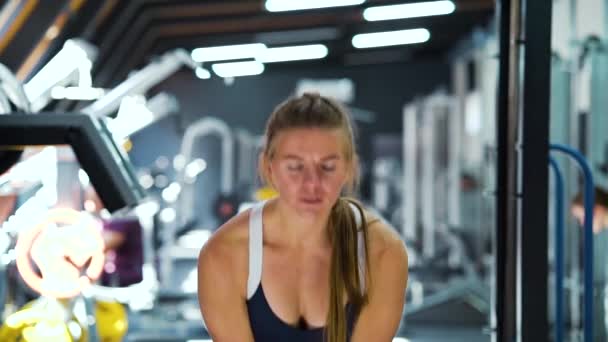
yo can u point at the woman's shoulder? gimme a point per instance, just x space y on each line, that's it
228 246
382 237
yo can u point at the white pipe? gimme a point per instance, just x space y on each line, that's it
427 191
14 89
141 81
198 129
410 156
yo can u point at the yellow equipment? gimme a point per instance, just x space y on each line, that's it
43 320
112 322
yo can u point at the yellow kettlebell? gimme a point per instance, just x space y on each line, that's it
111 320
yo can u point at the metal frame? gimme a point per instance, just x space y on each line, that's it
427 176
141 81
534 177
410 186
197 130
522 173
506 126
107 167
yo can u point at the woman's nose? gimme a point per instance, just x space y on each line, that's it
311 176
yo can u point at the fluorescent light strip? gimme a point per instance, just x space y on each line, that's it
202 73
402 11
237 69
389 38
228 52
293 53
294 5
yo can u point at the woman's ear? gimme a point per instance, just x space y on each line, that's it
265 169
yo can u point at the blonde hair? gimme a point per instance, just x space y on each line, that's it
314 111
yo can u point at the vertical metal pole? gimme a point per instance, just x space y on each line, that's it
506 225
574 238
536 73
427 177
410 158
455 119
559 251
523 130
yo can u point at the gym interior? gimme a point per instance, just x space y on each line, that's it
478 123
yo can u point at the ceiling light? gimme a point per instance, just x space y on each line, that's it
228 52
236 69
202 73
293 53
413 10
293 5
389 38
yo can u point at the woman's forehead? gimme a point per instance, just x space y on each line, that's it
309 139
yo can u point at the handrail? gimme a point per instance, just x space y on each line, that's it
589 203
559 251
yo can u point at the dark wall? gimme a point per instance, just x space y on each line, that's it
381 89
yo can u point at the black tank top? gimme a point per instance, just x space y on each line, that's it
268 327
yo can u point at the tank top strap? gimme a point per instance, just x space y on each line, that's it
256 248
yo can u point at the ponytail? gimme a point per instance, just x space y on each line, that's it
344 272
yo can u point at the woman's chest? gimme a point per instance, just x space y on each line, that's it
297 288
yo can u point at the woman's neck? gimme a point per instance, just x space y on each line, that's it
296 230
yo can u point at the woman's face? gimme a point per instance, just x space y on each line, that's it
308 168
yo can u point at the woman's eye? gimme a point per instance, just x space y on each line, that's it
328 168
295 167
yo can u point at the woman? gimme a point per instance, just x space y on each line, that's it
309 265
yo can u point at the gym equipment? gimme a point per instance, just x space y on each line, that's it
564 129
49 319
194 132
94 145
173 277
141 81
12 96
70 66
410 176
589 204
116 183
65 318
578 116
559 250
226 206
443 263
58 253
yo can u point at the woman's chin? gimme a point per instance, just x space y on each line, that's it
315 207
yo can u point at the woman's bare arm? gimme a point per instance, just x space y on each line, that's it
221 299
380 318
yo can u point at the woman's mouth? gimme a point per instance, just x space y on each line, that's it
311 200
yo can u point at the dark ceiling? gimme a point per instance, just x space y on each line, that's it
129 33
